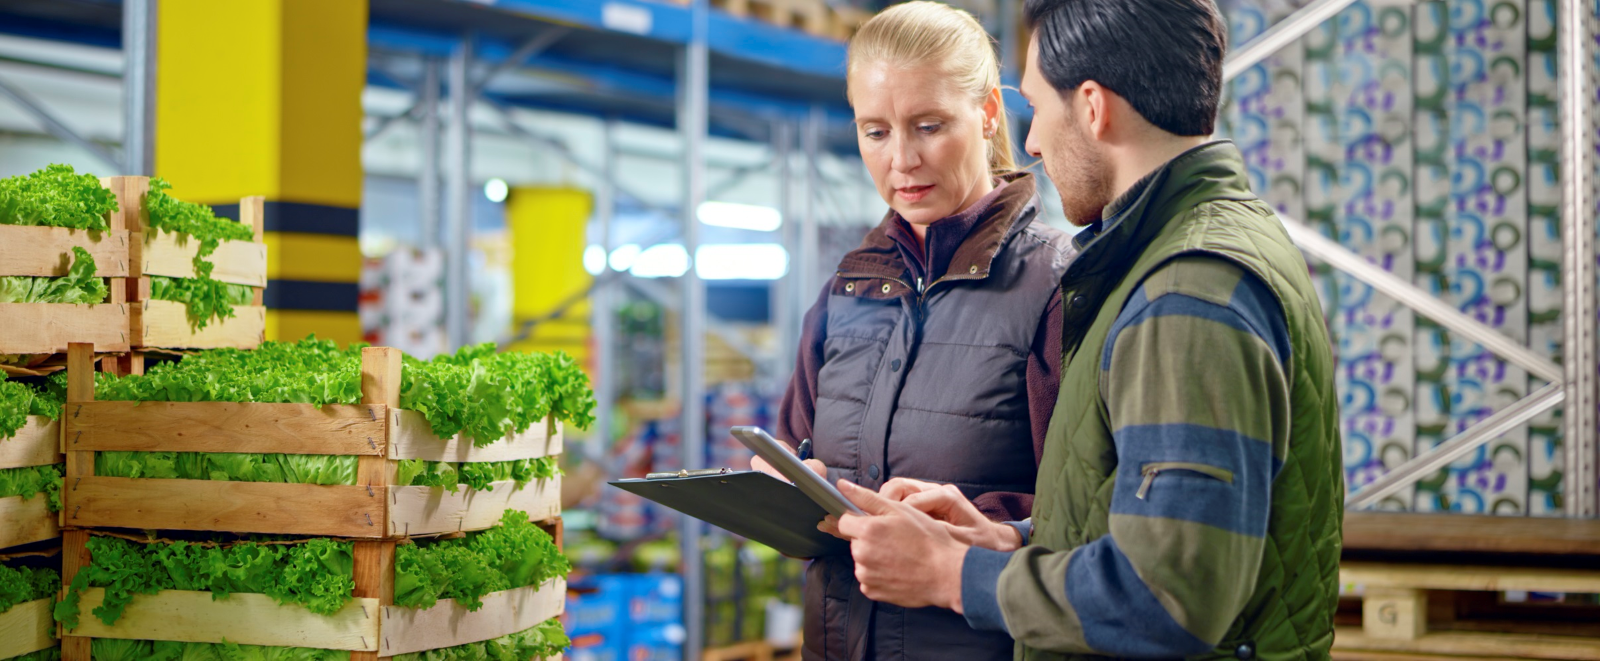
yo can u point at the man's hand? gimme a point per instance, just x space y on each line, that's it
946 503
903 556
759 464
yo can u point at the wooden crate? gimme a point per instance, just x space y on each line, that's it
1406 610
809 15
27 627
370 627
377 431
165 324
46 328
30 520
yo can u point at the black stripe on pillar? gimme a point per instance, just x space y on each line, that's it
308 295
302 218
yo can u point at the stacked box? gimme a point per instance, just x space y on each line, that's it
627 617
376 515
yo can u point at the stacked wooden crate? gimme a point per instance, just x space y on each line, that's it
1420 587
28 522
376 514
816 17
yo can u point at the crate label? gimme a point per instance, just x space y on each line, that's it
626 18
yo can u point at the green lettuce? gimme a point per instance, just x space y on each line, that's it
111 649
46 654
315 469
56 197
79 286
203 300
30 481
24 584
18 400
514 554
547 639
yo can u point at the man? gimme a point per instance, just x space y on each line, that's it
1189 495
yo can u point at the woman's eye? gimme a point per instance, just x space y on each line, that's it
875 134
930 128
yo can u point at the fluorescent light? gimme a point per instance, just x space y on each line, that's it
496 190
663 260
741 261
594 259
740 216
623 257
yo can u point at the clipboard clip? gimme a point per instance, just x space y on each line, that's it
688 473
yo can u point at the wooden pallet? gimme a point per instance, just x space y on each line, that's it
165 324
377 431
29 520
1404 611
27 627
369 627
43 329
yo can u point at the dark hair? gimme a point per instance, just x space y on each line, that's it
1163 56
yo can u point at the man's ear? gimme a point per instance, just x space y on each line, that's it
1096 100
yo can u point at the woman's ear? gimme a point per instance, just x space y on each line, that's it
993 105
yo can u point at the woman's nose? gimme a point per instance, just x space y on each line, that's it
905 157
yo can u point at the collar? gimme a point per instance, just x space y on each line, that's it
962 246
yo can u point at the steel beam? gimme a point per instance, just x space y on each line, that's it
1285 32
138 86
55 127
807 264
538 44
693 88
1576 31
458 219
788 301
605 304
1423 303
1488 429
428 174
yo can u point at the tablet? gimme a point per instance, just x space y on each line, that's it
812 485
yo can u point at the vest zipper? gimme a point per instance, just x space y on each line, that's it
1152 469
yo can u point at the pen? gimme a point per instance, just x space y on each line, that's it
805 450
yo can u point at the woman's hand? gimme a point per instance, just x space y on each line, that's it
759 464
946 504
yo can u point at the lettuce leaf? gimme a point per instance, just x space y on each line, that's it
162 650
514 554
30 481
547 639
24 584
79 286
56 197
19 400
204 300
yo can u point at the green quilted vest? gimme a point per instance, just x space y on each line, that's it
1201 203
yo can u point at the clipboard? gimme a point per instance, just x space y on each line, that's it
750 504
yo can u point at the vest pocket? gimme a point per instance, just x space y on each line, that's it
1154 468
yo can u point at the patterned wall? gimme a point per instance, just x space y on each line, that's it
1424 137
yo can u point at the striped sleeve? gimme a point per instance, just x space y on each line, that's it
1195 383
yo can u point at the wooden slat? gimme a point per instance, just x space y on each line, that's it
374 571
38 443
227 427
49 327
414 439
26 521
428 510
27 627
74 557
1461 577
165 324
408 630
247 619
172 255
1376 531
1523 646
243 507
131 213
47 251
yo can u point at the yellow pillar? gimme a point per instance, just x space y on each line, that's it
547 227
263 97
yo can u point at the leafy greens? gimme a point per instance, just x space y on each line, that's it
514 554
205 298
111 649
476 391
46 654
18 401
56 197
24 584
79 286
315 469
545 640
30 481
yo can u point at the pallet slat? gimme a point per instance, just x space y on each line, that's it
429 510
247 619
226 427
1468 578
27 521
1521 646
243 507
1461 533
237 262
414 439
48 327
165 324
27 627
448 624
38 443
46 252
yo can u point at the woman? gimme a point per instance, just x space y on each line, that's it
933 351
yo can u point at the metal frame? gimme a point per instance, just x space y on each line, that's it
138 86
1574 380
55 126
458 219
693 123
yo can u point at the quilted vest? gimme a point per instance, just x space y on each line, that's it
929 382
1201 203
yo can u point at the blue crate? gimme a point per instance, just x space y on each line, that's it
655 599
604 611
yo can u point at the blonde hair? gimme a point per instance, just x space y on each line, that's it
921 32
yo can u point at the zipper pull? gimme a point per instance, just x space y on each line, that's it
1150 473
920 288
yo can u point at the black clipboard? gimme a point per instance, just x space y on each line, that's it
750 504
